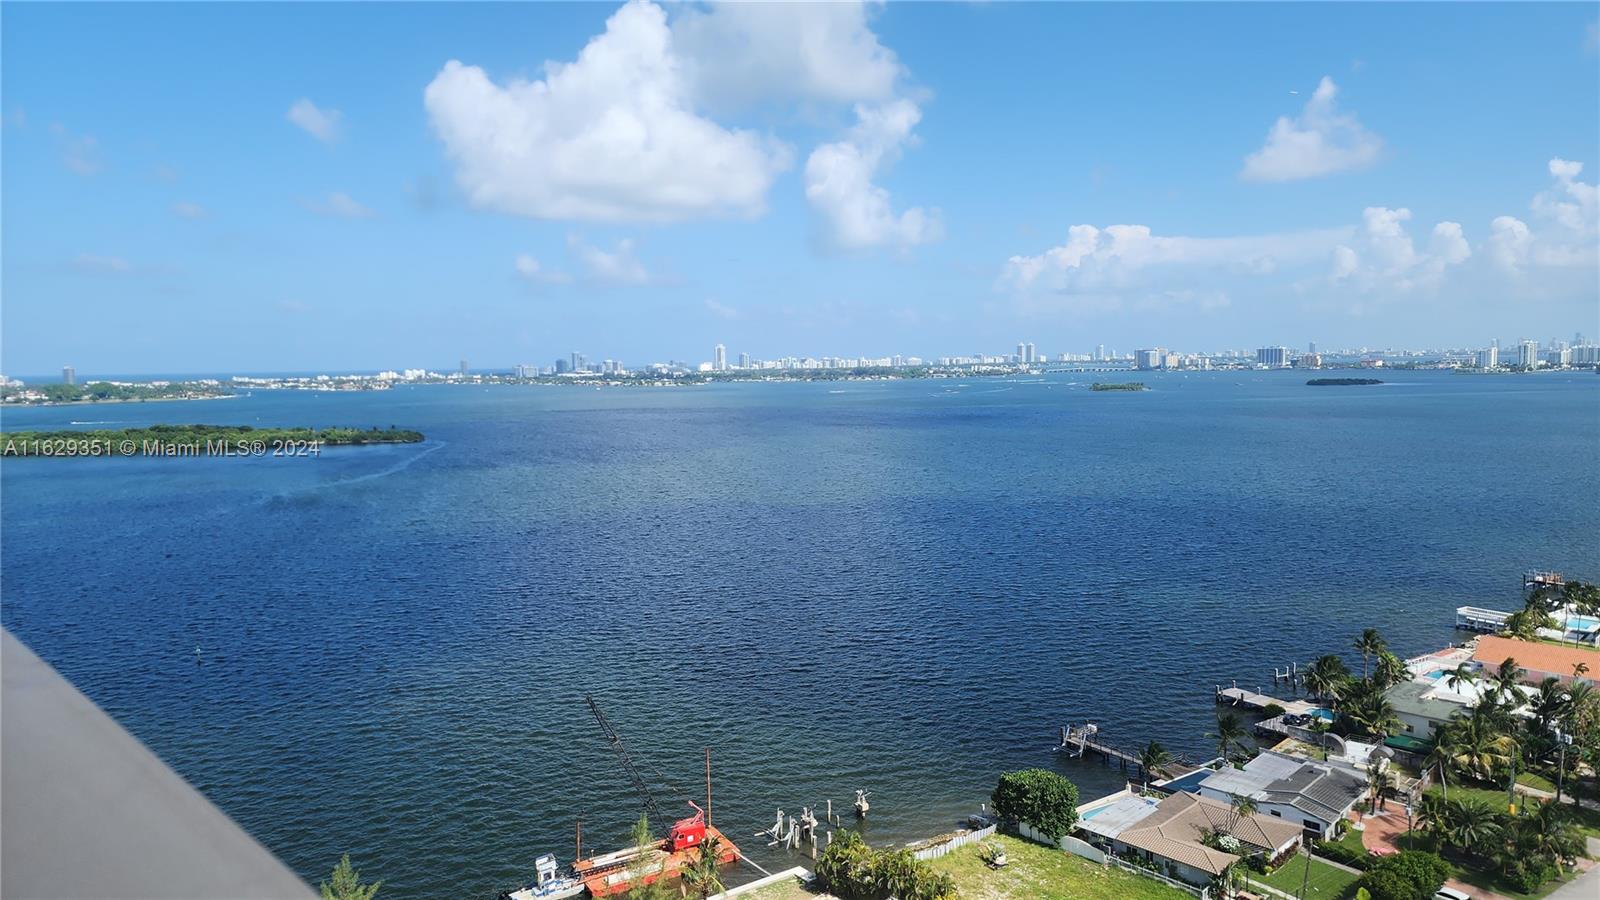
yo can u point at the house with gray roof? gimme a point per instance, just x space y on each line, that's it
1317 796
1175 833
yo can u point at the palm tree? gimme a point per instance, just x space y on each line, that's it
1478 748
1230 733
1461 674
1371 643
1390 671
1579 669
346 883
1375 715
1507 679
1551 834
1240 807
1153 758
1326 676
1440 757
1473 826
1433 813
1549 704
701 875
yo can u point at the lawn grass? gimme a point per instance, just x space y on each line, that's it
791 889
1035 872
1325 882
1538 782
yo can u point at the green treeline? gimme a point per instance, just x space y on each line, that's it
1117 386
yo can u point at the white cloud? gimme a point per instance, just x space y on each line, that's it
530 269
1321 141
721 310
1567 235
612 137
739 54
1121 257
1389 263
103 265
186 210
619 267
856 213
322 124
80 153
339 205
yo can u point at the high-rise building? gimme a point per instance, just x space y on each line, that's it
1100 353
1022 353
463 367
1311 348
719 360
1528 354
1273 357
563 365
1489 357
69 375
744 360
1033 355
1145 360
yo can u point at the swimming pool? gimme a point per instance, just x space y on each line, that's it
1582 623
1323 713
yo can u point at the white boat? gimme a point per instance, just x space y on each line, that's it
549 883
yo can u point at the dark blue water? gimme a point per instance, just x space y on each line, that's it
905 587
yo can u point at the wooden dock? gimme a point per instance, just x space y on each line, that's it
1076 741
1238 696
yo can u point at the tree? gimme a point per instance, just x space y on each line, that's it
650 865
1153 758
1230 734
702 876
1407 875
1370 644
1471 825
1507 679
1461 674
1390 671
1477 747
1326 676
851 870
1044 800
345 883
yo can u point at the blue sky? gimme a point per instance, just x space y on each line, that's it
316 187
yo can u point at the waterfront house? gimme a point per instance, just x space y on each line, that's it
1316 796
1538 659
1172 833
1424 707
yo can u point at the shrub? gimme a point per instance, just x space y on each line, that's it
1043 799
1272 710
1338 852
1385 884
853 871
1407 875
1529 878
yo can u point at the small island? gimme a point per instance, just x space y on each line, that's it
1117 386
111 392
1322 382
197 440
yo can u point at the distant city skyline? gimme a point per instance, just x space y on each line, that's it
238 187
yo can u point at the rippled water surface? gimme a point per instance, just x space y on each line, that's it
905 587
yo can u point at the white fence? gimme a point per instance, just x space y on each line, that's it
1184 886
960 840
1084 849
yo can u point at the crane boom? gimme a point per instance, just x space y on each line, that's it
650 806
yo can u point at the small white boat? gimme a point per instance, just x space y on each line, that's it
549 883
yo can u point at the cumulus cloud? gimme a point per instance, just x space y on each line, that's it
530 269
1121 257
1386 260
854 212
1567 216
322 124
617 268
740 54
1320 141
338 205
612 137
